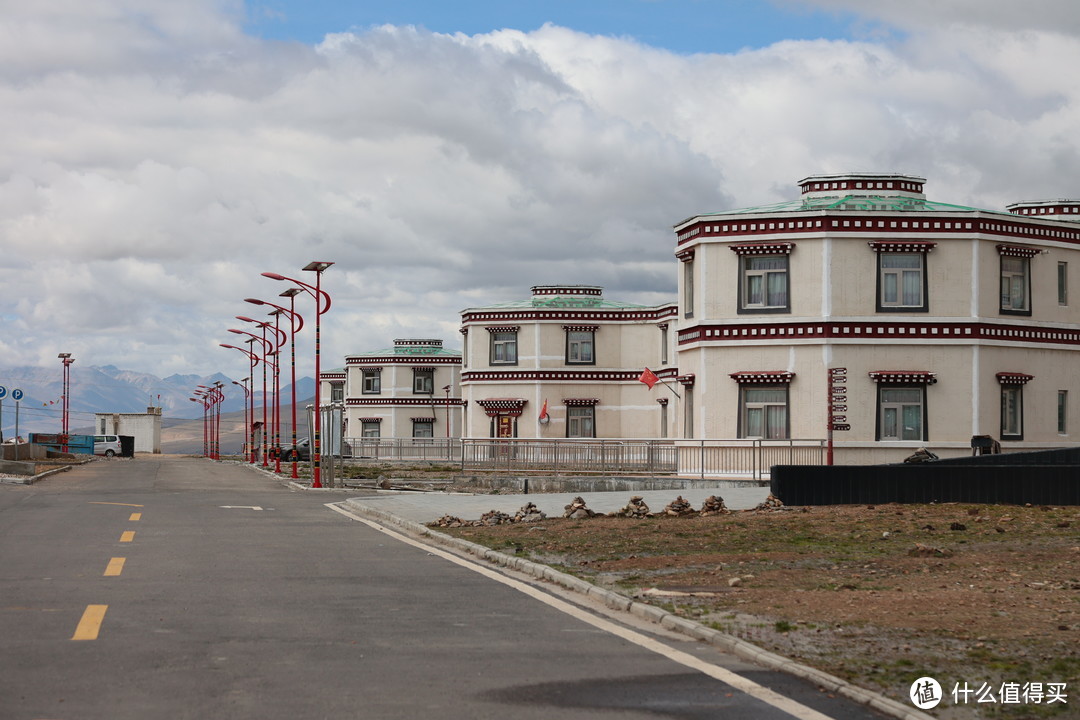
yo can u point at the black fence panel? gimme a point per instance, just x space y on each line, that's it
927 483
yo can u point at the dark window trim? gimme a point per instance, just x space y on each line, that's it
925 411
1027 287
740 428
1001 419
566 349
925 307
741 308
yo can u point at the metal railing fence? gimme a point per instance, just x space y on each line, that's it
749 459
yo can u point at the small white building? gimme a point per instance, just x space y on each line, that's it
565 363
411 390
144 427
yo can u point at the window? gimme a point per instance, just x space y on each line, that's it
688 412
504 348
580 422
337 393
372 384
663 344
579 347
1012 411
423 428
1015 292
1063 283
1062 412
901 413
901 281
688 287
663 420
423 381
764 412
369 428
764 283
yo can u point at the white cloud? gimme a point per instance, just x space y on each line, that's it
154 160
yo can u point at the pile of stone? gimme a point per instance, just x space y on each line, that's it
771 503
494 517
529 513
636 508
449 521
714 505
679 508
577 510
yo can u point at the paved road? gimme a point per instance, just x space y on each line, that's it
199 590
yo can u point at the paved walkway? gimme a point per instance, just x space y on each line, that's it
428 507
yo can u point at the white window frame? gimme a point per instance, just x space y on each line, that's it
747 274
764 407
371 382
581 421
899 408
580 347
423 381
1016 285
895 277
504 348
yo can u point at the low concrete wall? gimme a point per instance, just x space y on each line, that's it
548 483
11 467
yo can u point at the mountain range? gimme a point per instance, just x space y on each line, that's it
109 389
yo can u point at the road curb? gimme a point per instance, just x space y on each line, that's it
736 646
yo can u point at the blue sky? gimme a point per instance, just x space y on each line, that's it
683 26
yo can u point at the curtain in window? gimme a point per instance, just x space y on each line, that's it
902 273
767 275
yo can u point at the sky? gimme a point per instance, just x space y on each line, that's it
156 157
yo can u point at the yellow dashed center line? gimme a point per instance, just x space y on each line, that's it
128 536
115 567
135 517
90 624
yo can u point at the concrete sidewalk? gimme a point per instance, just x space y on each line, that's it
429 507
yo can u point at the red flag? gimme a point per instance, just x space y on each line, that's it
543 413
649 378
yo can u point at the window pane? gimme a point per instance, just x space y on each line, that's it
776 421
901 395
906 260
912 288
766 395
889 289
912 422
777 289
767 262
888 423
755 422
753 289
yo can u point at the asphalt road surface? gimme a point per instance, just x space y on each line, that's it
172 587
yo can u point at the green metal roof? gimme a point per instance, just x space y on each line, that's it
559 302
410 351
864 203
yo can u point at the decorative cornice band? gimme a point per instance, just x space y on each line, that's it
374 363
889 330
762 377
580 328
914 246
580 402
965 224
1016 251
613 315
1013 378
763 248
560 375
424 401
910 377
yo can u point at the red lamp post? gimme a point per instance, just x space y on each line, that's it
200 397
322 304
67 360
249 396
296 324
272 348
267 347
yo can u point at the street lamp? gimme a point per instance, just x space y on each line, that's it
296 324
67 360
322 304
269 348
200 397
249 396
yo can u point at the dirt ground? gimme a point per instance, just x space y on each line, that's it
979 597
